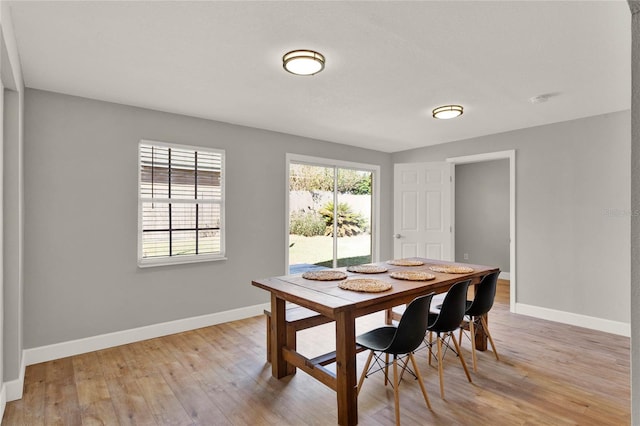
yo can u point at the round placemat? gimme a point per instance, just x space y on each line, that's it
412 275
365 285
451 269
367 269
324 275
405 262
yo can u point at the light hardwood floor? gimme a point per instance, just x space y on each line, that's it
548 374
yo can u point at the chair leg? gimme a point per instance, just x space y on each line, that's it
486 330
268 321
404 368
364 372
464 364
430 345
440 366
420 381
396 394
472 331
386 369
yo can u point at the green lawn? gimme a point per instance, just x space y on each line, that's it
319 250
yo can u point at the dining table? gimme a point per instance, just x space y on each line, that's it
343 307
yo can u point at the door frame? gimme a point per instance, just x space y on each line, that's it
329 162
489 156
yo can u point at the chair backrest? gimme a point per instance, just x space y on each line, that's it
485 294
453 308
412 327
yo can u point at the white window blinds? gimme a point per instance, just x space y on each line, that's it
181 199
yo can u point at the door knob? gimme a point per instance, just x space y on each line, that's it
397 236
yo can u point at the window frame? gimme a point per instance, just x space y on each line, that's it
144 262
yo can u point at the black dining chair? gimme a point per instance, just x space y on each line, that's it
445 323
476 310
398 341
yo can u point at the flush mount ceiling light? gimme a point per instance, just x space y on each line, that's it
447 111
303 62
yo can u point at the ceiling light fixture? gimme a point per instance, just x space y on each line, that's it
303 62
447 111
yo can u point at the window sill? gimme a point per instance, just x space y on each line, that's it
177 260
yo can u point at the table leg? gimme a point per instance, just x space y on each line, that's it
481 337
278 337
346 386
388 316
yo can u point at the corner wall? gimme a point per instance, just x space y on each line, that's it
12 282
635 207
572 213
81 276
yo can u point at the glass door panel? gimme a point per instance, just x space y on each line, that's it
353 225
311 189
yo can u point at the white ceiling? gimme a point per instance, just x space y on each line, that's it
388 63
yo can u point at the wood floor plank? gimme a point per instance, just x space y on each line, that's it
61 403
32 404
548 374
192 397
59 370
95 402
129 402
86 366
15 412
113 363
164 405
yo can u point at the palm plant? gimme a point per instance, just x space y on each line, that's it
349 223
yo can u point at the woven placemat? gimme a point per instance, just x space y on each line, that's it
405 262
365 285
367 269
324 275
412 275
451 269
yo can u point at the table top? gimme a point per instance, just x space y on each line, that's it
329 299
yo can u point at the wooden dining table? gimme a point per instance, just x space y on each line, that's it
343 307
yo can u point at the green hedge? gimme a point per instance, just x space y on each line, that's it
307 224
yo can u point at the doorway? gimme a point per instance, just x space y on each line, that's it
510 156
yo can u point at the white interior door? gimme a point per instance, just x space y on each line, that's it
422 210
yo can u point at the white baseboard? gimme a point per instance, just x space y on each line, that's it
504 275
95 343
12 390
3 400
15 387
593 323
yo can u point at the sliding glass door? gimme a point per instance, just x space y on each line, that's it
331 214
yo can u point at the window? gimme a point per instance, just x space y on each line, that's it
180 204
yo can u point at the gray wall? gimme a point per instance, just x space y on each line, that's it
572 211
635 217
482 213
81 277
11 237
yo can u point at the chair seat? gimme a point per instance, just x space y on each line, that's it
378 339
